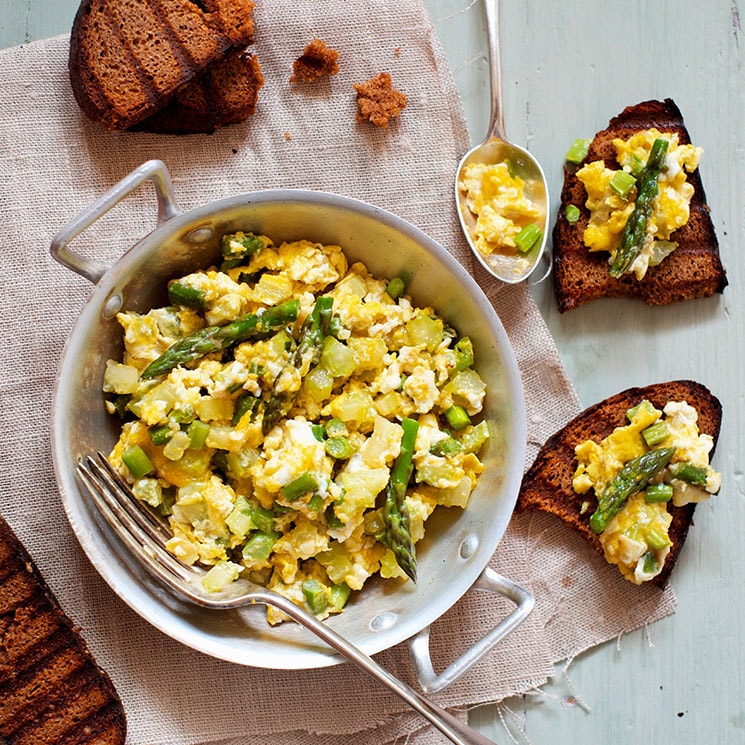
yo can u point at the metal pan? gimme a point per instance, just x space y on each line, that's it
458 545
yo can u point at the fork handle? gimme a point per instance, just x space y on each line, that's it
455 730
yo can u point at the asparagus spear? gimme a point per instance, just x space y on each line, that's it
216 338
397 536
188 297
307 352
635 230
312 334
632 478
239 250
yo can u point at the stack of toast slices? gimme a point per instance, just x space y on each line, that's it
547 485
52 691
693 270
167 66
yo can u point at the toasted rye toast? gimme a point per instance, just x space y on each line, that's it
225 93
51 689
129 58
547 485
693 270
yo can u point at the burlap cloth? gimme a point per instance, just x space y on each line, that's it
54 163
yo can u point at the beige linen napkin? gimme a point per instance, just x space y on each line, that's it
54 163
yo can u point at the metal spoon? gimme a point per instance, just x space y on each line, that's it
516 267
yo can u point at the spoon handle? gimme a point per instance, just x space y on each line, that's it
496 122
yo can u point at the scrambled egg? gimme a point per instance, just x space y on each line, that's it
636 539
501 206
610 211
294 502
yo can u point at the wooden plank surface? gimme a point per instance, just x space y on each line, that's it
568 67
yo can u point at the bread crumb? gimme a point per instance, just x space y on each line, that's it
378 101
397 52
288 136
317 60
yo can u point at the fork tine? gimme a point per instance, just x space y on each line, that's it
151 523
94 489
117 508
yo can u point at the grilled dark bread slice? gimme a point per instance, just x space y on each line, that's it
693 270
51 689
128 58
547 485
225 93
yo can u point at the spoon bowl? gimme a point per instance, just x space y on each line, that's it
508 265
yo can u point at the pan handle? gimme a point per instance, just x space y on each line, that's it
488 581
91 269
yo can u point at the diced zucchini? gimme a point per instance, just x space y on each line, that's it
259 546
337 358
319 383
338 596
446 446
315 596
273 289
239 463
425 330
120 378
220 576
176 447
572 213
212 409
137 461
622 183
396 287
655 540
472 440
577 151
457 417
656 433
463 354
336 428
148 491
198 432
239 520
528 238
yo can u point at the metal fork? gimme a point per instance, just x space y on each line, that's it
145 535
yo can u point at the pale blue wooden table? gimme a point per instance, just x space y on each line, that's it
568 67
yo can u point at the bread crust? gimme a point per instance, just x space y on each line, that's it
51 688
227 92
129 58
693 270
547 485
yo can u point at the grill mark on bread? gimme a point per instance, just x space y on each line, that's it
129 58
27 637
183 21
225 93
158 55
18 589
127 92
52 692
45 684
93 713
